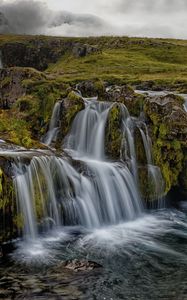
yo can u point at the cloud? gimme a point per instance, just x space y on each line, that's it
34 17
152 18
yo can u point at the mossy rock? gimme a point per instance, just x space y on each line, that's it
8 209
183 174
125 94
168 123
139 147
92 88
71 106
151 183
113 135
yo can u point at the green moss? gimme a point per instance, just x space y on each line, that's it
139 148
72 96
113 135
169 157
8 211
1 187
15 129
5 82
163 130
71 106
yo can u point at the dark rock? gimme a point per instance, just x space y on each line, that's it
92 88
69 109
81 265
11 87
167 122
36 53
126 95
81 50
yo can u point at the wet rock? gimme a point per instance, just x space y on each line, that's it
126 95
167 122
69 109
81 265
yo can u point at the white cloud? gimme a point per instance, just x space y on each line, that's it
156 18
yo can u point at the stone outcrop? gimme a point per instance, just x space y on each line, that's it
35 53
81 50
39 53
12 84
92 88
168 129
71 105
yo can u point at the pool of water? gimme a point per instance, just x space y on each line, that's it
142 259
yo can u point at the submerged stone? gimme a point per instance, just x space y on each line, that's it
81 265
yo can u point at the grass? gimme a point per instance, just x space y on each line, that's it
130 63
122 59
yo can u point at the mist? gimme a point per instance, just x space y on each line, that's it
161 18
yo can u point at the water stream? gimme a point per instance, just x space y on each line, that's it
85 205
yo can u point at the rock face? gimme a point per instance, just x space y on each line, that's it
126 95
39 53
81 50
12 84
92 89
70 107
168 126
36 54
8 215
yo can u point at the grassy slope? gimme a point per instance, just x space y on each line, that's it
128 60
122 59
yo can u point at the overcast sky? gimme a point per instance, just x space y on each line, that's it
153 18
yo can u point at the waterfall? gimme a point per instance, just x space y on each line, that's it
128 152
54 125
87 189
87 135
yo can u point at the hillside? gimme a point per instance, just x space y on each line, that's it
161 62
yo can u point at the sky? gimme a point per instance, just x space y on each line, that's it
151 18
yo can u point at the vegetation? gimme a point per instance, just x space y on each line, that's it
142 62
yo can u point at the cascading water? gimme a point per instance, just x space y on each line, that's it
54 125
128 151
93 191
102 197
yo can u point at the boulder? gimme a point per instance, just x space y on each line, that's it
94 88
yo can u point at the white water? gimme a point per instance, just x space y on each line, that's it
54 125
88 190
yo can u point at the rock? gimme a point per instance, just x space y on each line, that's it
81 50
92 88
69 109
126 95
81 265
113 133
35 53
167 122
11 84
